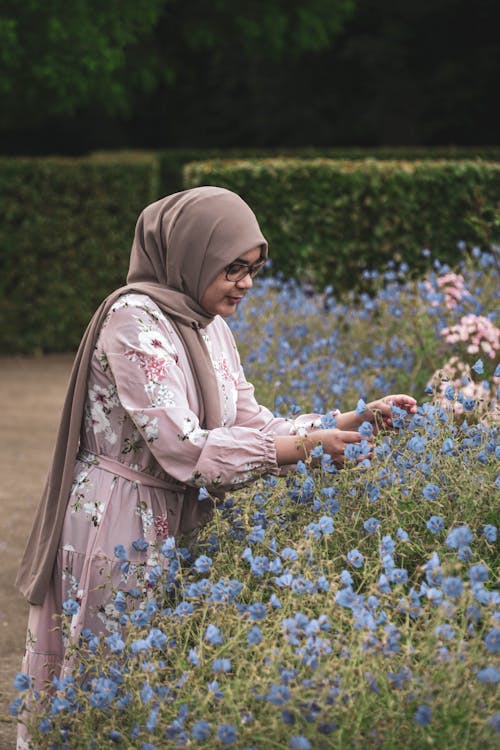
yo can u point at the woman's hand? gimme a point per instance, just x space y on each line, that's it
290 448
380 412
335 442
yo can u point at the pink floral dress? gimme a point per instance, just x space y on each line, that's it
143 459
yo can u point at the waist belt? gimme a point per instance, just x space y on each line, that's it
115 467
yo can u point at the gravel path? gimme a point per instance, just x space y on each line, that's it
31 395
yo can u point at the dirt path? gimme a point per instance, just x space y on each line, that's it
31 394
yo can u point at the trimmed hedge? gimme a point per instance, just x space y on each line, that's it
173 161
330 220
66 225
66 228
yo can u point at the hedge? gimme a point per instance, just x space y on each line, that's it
66 228
173 161
66 225
330 220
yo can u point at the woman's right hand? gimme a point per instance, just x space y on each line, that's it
335 441
291 448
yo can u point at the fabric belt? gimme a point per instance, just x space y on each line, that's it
113 466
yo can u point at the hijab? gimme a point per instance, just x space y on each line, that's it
181 244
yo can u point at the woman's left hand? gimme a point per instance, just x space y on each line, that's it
380 410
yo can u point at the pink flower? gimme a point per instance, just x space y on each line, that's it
478 331
452 284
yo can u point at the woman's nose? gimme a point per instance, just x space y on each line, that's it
246 282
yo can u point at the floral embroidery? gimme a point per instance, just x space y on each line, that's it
160 395
156 368
222 369
161 526
153 342
95 510
193 432
150 426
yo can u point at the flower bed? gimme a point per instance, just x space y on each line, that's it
325 609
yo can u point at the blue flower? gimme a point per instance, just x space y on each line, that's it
458 537
299 742
431 491
365 429
202 564
227 734
139 617
157 638
449 393
490 533
201 730
15 706
452 587
398 575
115 643
355 558
257 534
489 675
254 636
147 693
278 695
71 607
45 726
275 602
193 657
417 444
402 535
435 524
203 494
423 715
360 407
447 447
140 545
120 552
22 681
213 635
328 420
492 640
221 665
371 525
257 611
478 367
259 565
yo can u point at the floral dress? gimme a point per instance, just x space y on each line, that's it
143 459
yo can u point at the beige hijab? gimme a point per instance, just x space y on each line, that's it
181 244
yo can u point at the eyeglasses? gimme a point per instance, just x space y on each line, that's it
237 271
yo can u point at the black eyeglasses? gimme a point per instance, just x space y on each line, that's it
238 270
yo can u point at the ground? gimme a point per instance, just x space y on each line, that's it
31 395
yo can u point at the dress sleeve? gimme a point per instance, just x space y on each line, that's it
156 391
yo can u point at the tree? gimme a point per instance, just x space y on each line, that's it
60 58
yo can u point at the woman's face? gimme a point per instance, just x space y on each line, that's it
222 297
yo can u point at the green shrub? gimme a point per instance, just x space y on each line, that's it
65 235
334 219
172 161
67 224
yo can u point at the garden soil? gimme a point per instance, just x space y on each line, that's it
31 395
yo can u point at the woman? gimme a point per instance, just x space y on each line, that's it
158 407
